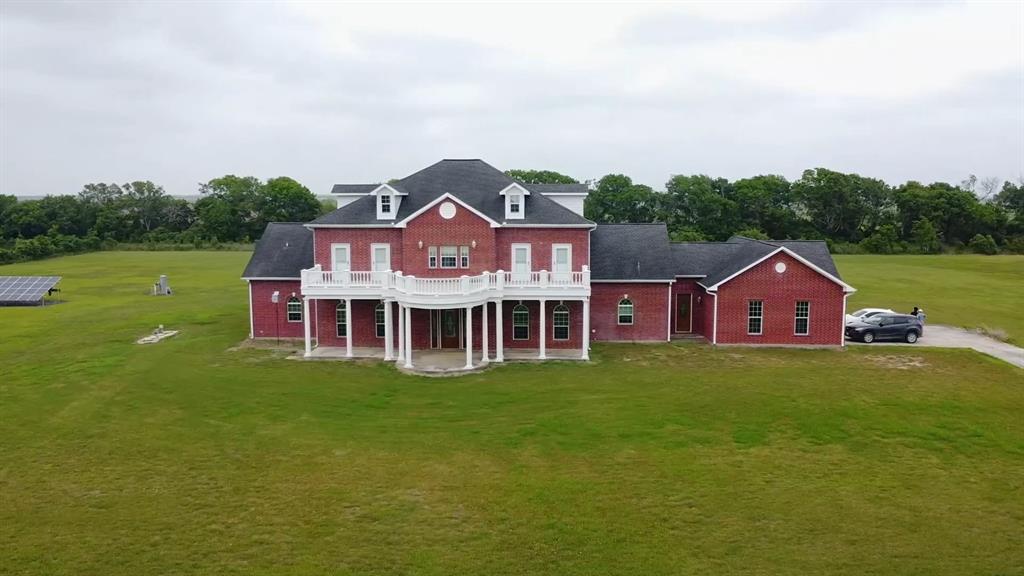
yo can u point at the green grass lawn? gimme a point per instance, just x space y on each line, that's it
968 291
189 457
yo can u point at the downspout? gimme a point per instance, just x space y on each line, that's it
714 323
668 332
842 328
252 323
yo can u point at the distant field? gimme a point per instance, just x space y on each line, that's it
191 457
968 291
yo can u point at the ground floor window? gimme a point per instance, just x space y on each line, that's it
378 318
802 323
560 322
520 323
341 319
294 309
625 311
755 317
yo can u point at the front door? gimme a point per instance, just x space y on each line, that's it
446 328
520 262
381 261
684 312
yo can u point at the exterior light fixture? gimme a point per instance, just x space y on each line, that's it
473 243
420 244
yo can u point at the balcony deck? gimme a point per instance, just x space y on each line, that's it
438 292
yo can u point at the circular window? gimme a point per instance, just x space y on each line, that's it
780 267
447 210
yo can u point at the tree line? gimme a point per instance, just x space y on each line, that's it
853 213
231 209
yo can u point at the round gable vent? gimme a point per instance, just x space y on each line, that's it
447 210
780 267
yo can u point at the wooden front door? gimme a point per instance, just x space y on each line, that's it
446 328
684 312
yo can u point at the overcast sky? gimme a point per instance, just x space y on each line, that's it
182 92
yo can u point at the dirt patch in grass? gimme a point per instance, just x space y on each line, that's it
900 362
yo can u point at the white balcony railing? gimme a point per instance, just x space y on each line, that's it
315 279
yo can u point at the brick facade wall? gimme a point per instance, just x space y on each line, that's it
270 320
540 240
359 241
463 229
780 292
650 311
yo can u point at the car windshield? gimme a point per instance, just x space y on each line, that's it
877 319
860 312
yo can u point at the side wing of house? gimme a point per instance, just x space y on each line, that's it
273 273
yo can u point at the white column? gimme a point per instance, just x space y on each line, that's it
348 327
401 333
408 337
543 331
469 337
586 329
499 337
305 326
485 344
387 330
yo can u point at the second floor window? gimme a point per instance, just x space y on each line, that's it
515 204
449 257
464 256
432 257
385 204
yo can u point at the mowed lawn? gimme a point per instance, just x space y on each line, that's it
965 290
191 457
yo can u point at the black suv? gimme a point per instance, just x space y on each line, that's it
886 327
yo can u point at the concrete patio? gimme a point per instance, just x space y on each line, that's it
444 361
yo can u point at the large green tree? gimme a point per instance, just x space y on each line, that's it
701 203
617 199
540 177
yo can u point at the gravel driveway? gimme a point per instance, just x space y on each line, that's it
951 337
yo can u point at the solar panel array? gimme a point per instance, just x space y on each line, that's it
25 289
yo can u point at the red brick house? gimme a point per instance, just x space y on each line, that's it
461 256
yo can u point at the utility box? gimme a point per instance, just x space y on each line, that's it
162 288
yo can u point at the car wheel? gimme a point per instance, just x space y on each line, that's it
869 337
911 337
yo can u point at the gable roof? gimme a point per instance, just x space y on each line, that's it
474 182
720 261
285 249
631 252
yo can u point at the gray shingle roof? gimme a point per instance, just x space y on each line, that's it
474 182
284 250
631 252
353 188
716 261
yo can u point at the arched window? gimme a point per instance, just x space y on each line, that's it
560 322
625 312
378 319
341 319
294 309
520 323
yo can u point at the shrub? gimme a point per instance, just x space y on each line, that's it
924 238
883 241
983 245
1015 245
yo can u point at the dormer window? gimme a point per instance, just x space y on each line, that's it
389 199
515 201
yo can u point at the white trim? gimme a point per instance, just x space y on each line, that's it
438 200
760 317
527 308
315 226
632 312
288 312
714 322
846 287
568 326
529 258
554 249
632 281
512 225
516 185
587 193
373 250
376 191
668 328
795 317
842 329
252 323
348 252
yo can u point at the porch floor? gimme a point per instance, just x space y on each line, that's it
441 361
